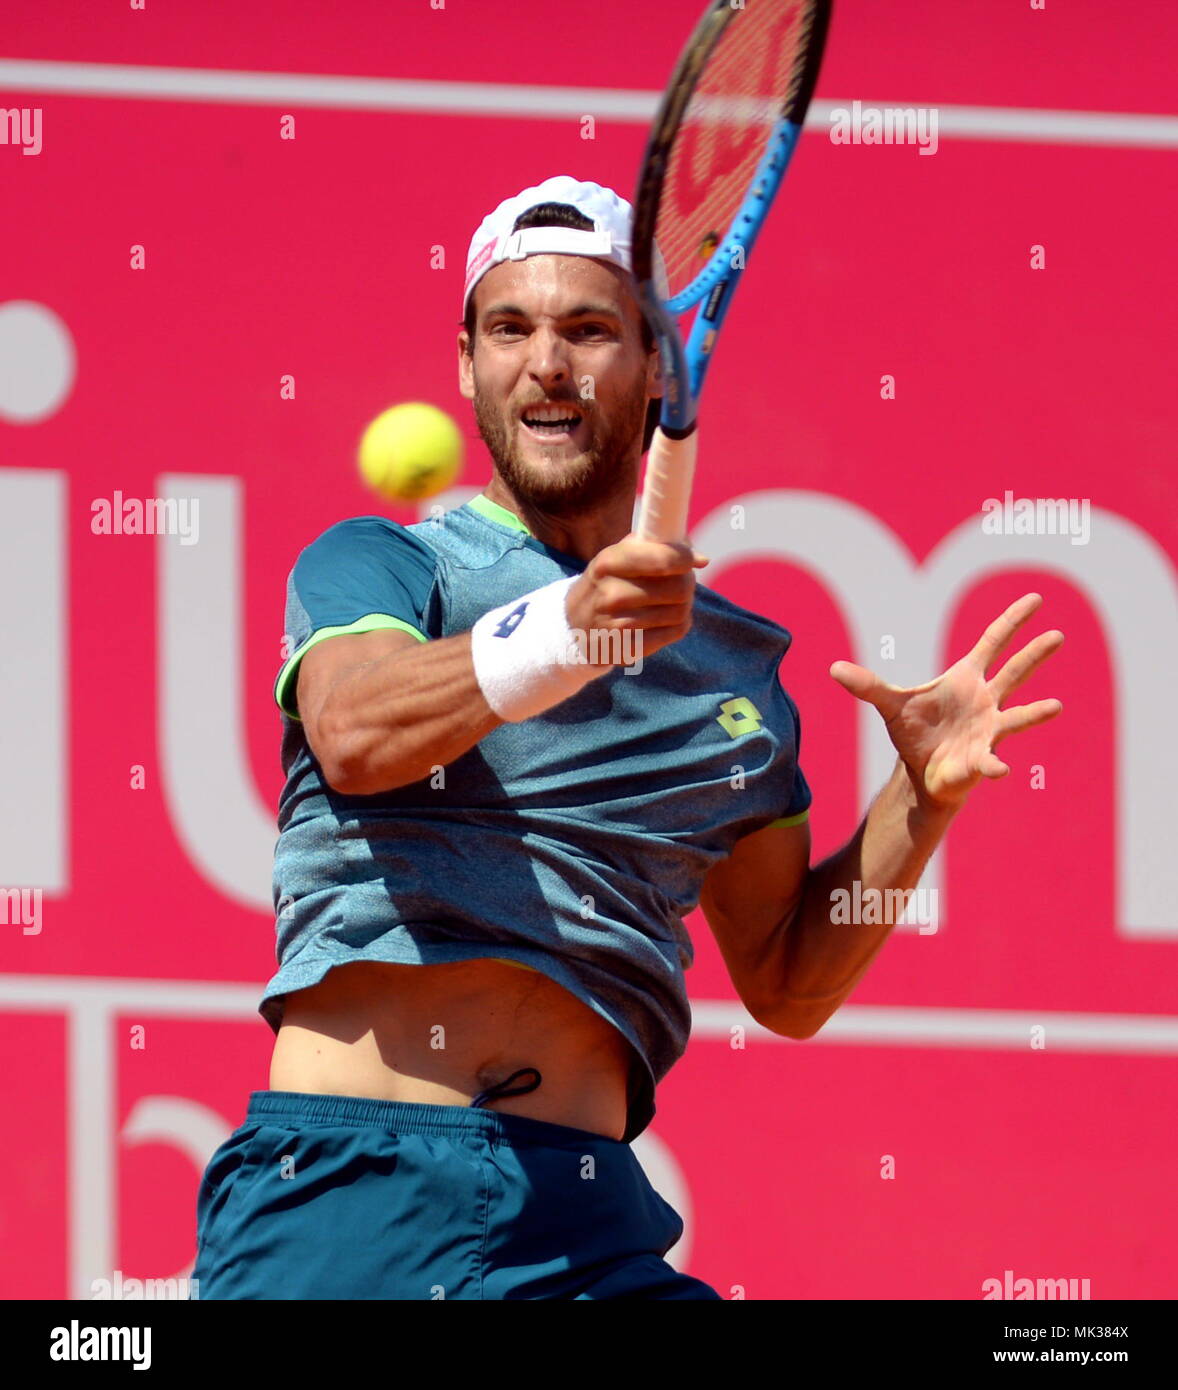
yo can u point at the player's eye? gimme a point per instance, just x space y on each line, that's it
593 329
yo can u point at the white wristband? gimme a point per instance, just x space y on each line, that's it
526 658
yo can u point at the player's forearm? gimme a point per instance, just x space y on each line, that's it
825 953
396 720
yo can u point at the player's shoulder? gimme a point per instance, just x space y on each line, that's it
455 538
365 540
368 530
734 623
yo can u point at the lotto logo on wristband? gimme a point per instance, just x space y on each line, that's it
512 621
541 667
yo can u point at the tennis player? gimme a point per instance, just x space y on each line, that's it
521 744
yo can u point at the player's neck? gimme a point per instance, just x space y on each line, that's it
581 536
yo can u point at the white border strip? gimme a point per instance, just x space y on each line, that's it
511 100
897 1026
886 1026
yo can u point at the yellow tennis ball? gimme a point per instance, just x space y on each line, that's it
411 451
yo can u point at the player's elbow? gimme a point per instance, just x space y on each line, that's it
352 776
365 767
337 779
340 760
795 1020
350 780
327 745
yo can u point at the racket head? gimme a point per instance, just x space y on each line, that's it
744 69
724 132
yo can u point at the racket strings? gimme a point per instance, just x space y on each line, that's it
747 81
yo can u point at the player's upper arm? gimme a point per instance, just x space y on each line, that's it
321 666
363 588
749 901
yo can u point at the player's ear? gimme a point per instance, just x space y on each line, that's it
655 385
465 365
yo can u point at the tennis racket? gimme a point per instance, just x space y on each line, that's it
717 153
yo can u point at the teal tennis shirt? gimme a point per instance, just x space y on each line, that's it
574 842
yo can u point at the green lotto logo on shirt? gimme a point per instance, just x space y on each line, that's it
739 716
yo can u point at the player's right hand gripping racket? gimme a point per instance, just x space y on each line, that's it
717 154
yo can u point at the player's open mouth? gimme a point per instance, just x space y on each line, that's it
551 423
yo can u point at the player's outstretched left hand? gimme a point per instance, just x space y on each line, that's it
946 730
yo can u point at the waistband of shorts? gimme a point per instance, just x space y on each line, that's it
297 1108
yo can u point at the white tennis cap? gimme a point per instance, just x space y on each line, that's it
609 240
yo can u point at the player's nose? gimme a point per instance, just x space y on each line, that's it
549 353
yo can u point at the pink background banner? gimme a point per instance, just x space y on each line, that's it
999 1092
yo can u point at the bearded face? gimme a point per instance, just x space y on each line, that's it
560 380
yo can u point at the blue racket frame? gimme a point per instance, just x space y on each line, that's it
686 365
666 490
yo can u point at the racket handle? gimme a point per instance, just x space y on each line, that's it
666 490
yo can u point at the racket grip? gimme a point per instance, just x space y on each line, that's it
666 490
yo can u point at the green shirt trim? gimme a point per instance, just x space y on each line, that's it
286 686
790 820
494 512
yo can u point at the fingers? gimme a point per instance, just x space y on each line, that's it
617 595
658 616
634 557
641 585
857 679
956 774
1023 665
1003 628
1014 721
866 685
990 766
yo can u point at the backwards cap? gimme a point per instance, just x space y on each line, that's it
609 240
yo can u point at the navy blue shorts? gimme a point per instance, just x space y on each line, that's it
325 1197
